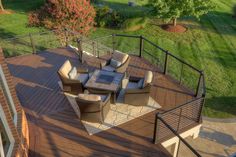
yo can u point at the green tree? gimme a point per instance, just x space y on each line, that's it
174 9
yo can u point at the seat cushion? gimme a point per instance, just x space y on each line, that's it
120 56
65 69
73 73
148 78
108 68
132 85
83 78
90 97
114 63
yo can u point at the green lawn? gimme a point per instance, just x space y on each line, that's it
209 44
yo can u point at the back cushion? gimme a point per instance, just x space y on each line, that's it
73 73
65 69
114 63
119 56
90 97
148 78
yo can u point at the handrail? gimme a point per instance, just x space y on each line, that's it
176 134
179 106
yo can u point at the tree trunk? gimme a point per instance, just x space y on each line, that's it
1 6
174 21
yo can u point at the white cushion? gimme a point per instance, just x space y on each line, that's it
73 73
65 69
108 68
83 78
148 78
120 56
140 83
132 85
90 97
114 63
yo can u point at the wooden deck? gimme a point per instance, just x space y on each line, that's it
55 130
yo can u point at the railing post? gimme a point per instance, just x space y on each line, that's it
180 114
32 43
93 44
98 53
113 42
66 38
80 51
141 46
198 85
181 73
155 128
166 62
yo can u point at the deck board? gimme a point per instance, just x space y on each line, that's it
55 129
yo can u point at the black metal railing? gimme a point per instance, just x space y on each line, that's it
188 76
188 149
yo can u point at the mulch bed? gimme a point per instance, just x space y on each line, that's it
6 12
176 29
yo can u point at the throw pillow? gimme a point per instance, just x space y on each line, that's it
115 63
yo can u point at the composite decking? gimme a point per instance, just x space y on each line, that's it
55 130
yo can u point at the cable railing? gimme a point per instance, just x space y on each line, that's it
178 119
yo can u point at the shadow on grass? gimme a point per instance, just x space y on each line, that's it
126 10
23 5
222 104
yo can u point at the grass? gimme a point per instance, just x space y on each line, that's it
209 44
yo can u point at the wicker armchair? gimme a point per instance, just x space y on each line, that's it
93 107
73 85
138 90
121 58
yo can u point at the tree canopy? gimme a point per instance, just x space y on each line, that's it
76 15
174 9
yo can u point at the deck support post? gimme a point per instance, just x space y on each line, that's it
32 43
141 46
166 62
175 148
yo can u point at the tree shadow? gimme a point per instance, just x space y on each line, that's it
23 5
217 136
126 10
222 104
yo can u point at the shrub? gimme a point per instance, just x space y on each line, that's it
106 17
135 24
76 15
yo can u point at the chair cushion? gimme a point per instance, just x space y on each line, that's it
114 63
120 56
65 69
83 78
108 68
148 78
90 97
140 83
132 85
73 73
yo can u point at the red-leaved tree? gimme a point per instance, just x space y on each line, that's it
76 15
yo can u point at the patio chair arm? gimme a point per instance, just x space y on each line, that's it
82 70
137 91
103 63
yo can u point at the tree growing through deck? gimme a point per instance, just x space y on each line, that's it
174 9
